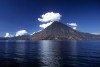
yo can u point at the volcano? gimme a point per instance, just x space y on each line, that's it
57 31
60 31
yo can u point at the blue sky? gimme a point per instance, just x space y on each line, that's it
18 15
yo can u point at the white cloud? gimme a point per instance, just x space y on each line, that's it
96 33
33 33
45 25
39 30
73 25
8 35
74 28
21 32
50 17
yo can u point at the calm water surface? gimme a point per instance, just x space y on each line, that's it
48 53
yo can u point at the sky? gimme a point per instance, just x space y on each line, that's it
23 15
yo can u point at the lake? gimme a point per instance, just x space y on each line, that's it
48 53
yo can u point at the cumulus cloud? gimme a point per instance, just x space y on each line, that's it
33 33
8 35
45 25
39 30
96 33
73 25
74 28
50 17
21 32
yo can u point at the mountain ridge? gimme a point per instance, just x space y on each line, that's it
60 31
57 31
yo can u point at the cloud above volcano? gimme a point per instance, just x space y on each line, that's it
72 25
45 25
50 17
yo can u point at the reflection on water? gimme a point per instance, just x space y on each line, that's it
48 53
52 53
20 51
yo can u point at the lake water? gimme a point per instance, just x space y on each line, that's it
48 53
